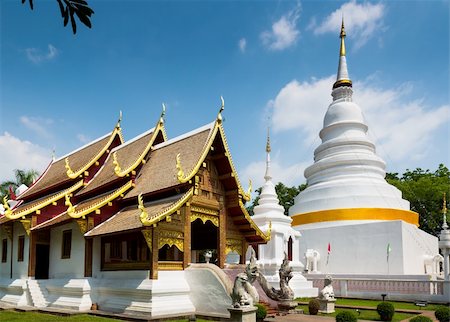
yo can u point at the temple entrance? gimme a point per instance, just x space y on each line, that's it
42 261
204 237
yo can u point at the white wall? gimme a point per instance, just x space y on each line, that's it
72 267
356 248
5 268
20 269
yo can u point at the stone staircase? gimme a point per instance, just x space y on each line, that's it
37 293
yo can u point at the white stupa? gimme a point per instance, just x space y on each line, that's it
348 203
269 216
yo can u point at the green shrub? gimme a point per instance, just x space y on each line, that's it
442 314
421 318
386 311
313 306
346 316
261 312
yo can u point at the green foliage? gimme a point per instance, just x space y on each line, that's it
25 177
424 190
442 313
261 312
285 194
421 318
346 316
386 311
314 306
69 8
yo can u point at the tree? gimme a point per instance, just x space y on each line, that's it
69 8
285 194
424 190
25 177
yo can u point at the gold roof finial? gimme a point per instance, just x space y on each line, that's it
222 107
163 113
342 36
119 120
268 149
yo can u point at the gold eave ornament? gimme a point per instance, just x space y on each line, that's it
159 128
45 202
144 216
182 178
258 231
74 213
75 174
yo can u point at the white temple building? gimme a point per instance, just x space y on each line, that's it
349 207
269 216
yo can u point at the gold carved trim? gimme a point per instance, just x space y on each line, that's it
171 238
45 202
183 178
83 225
83 212
258 231
26 223
148 236
233 245
159 128
170 266
204 218
204 210
144 216
74 174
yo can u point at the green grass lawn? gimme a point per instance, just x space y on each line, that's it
42 317
8 316
374 303
364 314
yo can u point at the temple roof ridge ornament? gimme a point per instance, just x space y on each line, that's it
140 160
72 174
268 176
342 78
217 127
24 210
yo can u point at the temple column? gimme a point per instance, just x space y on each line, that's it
187 236
154 255
222 242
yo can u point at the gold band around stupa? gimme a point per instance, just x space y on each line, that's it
356 214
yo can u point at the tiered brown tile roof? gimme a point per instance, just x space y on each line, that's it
128 218
160 171
56 173
126 154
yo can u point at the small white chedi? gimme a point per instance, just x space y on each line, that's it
348 202
269 216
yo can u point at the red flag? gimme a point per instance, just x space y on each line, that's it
12 195
329 248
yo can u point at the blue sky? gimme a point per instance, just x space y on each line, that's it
273 61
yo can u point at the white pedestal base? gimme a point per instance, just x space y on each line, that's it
243 314
326 306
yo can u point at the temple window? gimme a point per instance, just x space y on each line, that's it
66 243
290 248
21 248
125 252
4 250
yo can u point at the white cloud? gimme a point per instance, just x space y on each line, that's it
36 56
284 32
242 45
18 154
83 138
37 124
362 20
394 120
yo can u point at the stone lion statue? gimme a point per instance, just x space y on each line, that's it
327 293
244 293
